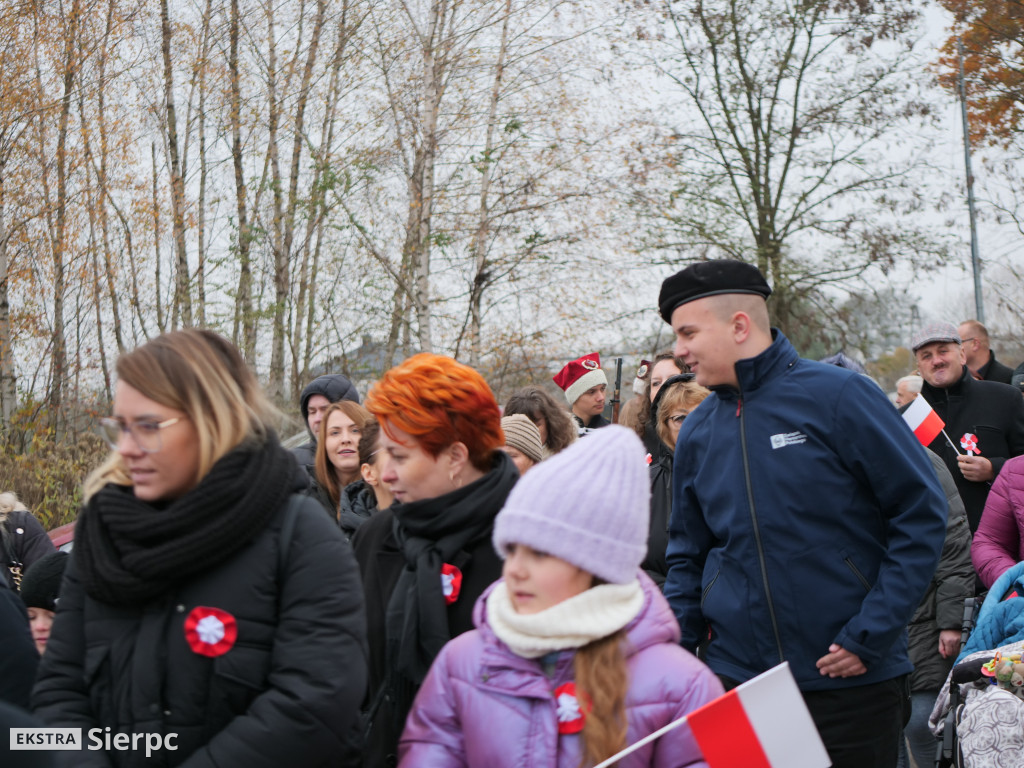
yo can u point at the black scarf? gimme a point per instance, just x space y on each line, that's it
128 551
430 533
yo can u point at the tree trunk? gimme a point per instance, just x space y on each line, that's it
161 319
244 331
483 228
8 381
275 388
182 308
427 149
59 369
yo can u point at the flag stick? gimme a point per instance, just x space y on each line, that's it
952 443
645 740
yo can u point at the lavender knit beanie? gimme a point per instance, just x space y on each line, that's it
588 505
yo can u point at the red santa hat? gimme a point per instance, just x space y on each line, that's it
580 375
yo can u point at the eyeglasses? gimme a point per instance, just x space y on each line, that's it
971 338
146 434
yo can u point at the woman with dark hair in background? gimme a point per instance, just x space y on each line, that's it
203 598
427 558
557 430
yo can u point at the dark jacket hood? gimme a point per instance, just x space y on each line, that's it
333 386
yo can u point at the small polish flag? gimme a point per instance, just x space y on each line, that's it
763 723
923 420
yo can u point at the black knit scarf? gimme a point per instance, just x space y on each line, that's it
430 533
128 551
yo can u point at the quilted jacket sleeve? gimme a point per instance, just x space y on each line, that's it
997 540
433 734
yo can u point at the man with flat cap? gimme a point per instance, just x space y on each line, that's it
806 518
984 419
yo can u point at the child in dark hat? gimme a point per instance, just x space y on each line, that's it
40 588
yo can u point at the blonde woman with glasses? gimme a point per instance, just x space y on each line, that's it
208 612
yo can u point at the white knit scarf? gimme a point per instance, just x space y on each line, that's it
594 613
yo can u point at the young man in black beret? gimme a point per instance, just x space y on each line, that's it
806 519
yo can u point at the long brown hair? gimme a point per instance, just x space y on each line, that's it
535 404
602 681
326 474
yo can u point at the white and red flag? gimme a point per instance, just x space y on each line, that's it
763 723
923 420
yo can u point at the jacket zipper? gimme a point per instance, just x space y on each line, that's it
858 574
704 594
757 532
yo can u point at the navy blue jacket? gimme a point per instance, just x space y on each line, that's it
804 513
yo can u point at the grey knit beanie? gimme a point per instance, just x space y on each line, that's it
523 435
588 505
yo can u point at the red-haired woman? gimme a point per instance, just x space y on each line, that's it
427 558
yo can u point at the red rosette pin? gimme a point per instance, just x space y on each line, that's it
210 631
451 583
969 443
571 716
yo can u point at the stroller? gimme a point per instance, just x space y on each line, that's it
980 713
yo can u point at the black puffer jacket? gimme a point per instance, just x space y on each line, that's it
334 387
23 540
286 693
357 504
992 412
943 604
661 510
18 657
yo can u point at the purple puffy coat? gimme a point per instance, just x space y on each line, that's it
999 540
481 705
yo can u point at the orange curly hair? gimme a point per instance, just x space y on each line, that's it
439 402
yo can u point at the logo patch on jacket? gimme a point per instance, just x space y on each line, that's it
571 716
451 583
210 631
783 439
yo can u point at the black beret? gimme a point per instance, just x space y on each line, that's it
41 583
710 278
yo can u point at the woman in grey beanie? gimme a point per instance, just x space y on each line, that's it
576 652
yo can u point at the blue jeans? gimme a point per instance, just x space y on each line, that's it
919 738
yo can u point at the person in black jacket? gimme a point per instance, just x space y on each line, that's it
313 403
204 602
427 558
979 356
984 419
18 656
23 539
676 397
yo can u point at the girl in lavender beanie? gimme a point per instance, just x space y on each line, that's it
575 654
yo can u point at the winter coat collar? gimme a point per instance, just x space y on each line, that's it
754 372
503 670
960 388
